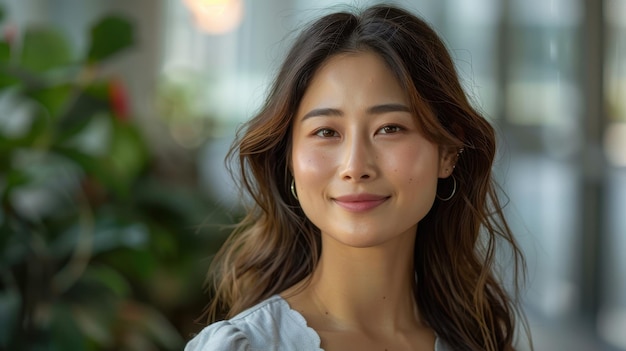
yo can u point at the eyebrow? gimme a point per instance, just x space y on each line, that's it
374 110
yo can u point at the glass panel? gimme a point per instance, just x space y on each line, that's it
615 71
542 84
615 82
543 117
471 33
612 316
543 114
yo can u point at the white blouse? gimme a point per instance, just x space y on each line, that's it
270 325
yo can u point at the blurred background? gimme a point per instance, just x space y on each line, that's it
115 117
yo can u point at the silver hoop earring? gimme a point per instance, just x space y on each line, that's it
293 188
453 190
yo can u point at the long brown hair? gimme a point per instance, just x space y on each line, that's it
275 245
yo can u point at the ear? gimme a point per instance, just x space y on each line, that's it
447 160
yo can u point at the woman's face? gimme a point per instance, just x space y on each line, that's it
364 173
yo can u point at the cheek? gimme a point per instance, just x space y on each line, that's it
414 165
312 173
308 164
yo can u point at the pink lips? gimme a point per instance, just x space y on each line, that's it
360 202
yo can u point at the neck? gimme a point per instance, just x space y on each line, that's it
365 288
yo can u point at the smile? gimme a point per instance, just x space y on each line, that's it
361 202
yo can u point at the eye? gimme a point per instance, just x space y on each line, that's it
326 133
390 129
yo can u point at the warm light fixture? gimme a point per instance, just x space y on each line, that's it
216 16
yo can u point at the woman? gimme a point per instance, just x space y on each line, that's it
375 219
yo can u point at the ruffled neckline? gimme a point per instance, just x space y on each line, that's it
301 321
310 332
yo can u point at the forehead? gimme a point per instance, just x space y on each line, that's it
360 65
353 78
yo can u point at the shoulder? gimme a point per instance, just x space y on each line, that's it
219 336
269 325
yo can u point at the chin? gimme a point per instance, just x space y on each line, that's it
363 240
362 243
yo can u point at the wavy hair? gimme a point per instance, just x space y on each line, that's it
275 246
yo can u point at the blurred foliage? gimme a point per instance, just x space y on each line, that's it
97 250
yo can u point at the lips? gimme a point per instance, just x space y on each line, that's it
360 202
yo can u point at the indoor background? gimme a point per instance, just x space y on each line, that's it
115 117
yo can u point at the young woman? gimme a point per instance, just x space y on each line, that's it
375 219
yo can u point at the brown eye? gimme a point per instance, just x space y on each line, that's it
389 129
326 133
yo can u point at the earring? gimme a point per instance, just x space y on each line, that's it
453 190
458 154
293 188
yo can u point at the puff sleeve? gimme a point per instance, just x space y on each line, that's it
220 336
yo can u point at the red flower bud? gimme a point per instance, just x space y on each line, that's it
118 98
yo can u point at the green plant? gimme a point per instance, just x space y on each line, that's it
97 249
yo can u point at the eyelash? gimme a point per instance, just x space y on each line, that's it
396 127
321 131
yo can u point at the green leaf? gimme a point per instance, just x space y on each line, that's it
92 137
81 111
38 135
87 163
128 154
10 304
107 235
14 248
7 80
108 279
109 36
5 52
64 329
95 322
52 98
83 108
138 265
97 167
16 178
44 49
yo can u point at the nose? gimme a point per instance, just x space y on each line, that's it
359 160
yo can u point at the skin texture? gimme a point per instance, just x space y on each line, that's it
365 176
